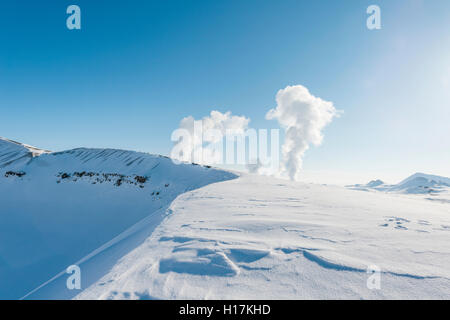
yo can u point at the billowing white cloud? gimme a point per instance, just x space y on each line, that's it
200 140
303 117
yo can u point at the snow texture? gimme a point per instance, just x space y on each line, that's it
190 232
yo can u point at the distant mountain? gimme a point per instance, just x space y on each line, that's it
418 183
378 185
428 177
375 183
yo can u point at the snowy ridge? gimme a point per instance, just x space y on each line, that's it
14 153
57 208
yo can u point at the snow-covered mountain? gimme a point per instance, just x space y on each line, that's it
418 183
378 185
141 227
423 183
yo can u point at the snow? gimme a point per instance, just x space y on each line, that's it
420 183
268 238
428 177
417 184
15 153
231 239
49 223
211 234
375 183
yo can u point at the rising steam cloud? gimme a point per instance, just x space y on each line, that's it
303 117
192 136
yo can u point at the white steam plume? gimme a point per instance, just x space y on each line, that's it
303 117
195 139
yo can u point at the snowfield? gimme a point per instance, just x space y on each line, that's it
208 233
262 238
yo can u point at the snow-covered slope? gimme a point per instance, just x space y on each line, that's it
58 207
16 154
258 237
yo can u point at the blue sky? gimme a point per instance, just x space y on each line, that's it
136 68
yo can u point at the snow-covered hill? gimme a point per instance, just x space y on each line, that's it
421 183
140 227
56 208
418 183
377 185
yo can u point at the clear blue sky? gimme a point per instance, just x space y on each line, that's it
138 67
